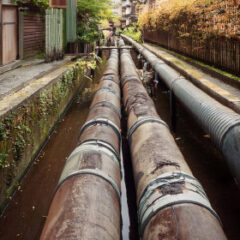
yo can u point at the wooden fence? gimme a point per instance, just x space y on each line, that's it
54 34
220 52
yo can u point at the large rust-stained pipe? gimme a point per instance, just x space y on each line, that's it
222 123
171 202
86 204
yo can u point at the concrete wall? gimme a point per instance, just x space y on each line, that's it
25 128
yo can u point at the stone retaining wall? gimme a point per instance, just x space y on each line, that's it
25 128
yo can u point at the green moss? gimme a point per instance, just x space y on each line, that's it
23 130
227 74
15 128
3 157
11 190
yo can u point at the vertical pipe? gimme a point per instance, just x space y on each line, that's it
86 203
171 202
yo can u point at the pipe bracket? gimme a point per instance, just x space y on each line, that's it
102 89
95 172
152 199
101 121
143 121
108 104
86 147
98 142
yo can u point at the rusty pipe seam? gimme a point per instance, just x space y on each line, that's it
109 77
108 104
108 179
102 143
155 61
104 121
222 123
128 78
143 121
95 172
195 195
85 147
107 89
108 148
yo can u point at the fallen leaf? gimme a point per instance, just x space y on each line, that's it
206 136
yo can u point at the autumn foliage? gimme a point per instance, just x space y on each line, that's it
199 18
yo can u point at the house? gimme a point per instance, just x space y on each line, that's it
128 12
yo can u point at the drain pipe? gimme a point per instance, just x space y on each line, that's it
86 203
171 202
222 123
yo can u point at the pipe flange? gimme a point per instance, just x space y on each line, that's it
101 121
108 104
98 142
180 77
128 78
86 147
152 200
102 89
143 121
95 172
110 77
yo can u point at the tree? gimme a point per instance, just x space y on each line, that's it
90 15
41 4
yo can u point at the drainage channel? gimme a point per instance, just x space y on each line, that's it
128 198
26 214
206 163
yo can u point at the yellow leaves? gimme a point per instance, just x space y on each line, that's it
192 17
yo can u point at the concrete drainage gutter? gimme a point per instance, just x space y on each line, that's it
222 123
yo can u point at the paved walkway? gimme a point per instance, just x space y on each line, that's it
223 92
16 79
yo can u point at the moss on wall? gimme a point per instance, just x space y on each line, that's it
25 128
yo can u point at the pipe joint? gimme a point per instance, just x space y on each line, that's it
107 89
107 103
95 147
98 142
101 121
141 122
97 173
170 189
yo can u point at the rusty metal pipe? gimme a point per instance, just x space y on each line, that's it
86 204
171 202
222 123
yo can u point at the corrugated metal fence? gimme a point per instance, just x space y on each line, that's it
54 34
